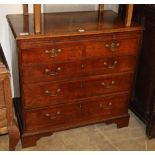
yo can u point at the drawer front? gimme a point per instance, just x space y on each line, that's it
51 54
110 65
52 116
45 42
2 103
107 105
55 117
58 71
102 48
55 92
54 71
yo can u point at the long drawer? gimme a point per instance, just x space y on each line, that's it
88 67
50 93
58 116
46 42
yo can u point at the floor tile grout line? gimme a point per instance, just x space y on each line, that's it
107 139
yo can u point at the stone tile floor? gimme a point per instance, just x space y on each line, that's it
98 137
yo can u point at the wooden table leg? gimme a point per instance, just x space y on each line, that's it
13 136
129 13
13 130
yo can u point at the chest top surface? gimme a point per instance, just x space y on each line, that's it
68 24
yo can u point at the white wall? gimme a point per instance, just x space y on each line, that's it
6 38
8 43
76 7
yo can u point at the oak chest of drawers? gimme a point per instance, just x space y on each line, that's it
76 72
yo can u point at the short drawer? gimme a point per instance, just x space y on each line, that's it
50 54
108 105
111 47
110 65
75 112
58 71
57 92
53 71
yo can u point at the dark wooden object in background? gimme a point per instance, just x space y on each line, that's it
77 71
143 100
25 9
7 122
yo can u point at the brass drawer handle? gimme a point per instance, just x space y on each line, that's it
107 85
47 92
112 46
48 72
47 114
105 107
82 66
52 117
53 52
81 30
110 104
111 66
58 113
